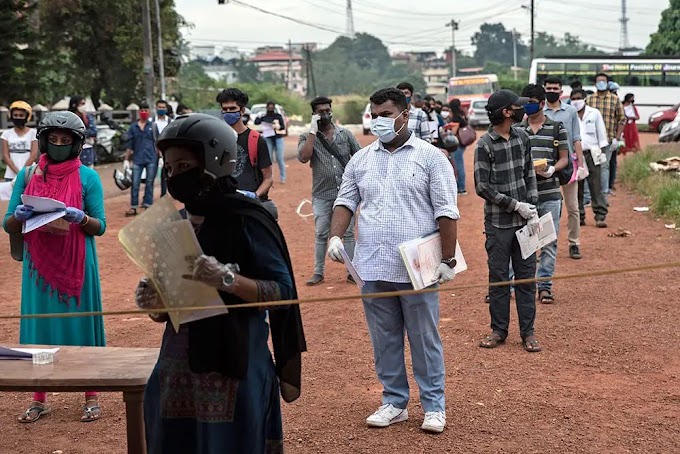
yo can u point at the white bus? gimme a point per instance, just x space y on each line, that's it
655 81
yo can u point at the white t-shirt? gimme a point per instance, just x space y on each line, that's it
161 124
19 148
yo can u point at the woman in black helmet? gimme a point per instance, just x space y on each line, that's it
60 270
215 388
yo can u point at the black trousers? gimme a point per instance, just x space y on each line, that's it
501 247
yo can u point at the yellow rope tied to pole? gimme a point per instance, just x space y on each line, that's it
331 299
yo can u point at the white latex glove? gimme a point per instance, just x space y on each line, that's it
534 225
582 173
314 124
210 271
444 273
146 296
547 173
526 210
334 247
126 165
603 159
615 144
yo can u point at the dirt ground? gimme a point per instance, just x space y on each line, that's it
606 381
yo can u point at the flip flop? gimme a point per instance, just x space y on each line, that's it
91 411
531 344
34 412
493 340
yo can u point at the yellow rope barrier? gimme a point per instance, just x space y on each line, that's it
328 299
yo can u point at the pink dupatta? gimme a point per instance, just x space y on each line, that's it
58 259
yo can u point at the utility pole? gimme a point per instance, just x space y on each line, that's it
454 26
161 64
290 63
624 43
148 52
514 54
533 15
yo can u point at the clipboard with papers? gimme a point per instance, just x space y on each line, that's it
423 255
531 243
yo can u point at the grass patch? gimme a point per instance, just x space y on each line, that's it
663 188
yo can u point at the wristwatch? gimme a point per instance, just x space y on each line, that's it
451 262
228 279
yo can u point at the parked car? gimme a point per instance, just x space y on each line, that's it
671 130
261 109
366 119
661 118
477 116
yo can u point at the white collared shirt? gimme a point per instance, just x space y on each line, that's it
593 129
399 195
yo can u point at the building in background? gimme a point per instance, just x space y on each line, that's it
284 65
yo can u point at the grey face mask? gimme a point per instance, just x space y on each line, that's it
59 153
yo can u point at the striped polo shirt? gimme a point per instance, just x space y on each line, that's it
542 145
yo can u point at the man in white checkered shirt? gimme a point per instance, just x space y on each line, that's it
404 188
418 122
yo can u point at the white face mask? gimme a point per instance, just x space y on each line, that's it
383 127
82 109
578 104
445 114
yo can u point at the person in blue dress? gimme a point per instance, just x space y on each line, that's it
215 388
60 268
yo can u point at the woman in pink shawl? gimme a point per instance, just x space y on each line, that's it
60 269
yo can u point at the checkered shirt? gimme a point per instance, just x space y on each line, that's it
504 176
326 170
611 109
418 124
400 195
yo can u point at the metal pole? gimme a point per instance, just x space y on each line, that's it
148 52
514 53
161 64
454 26
290 64
532 30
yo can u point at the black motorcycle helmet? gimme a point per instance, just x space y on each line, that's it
67 121
208 135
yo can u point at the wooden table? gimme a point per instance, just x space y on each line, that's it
80 369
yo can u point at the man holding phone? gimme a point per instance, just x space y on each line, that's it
328 148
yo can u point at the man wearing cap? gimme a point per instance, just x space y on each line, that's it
505 179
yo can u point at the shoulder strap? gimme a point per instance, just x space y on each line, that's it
253 139
489 147
556 137
332 148
29 174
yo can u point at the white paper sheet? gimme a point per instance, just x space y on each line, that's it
351 270
531 243
423 255
4 354
48 210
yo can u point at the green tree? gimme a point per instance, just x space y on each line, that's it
494 43
19 51
666 40
247 71
546 44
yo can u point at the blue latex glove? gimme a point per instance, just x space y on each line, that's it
74 215
250 194
23 212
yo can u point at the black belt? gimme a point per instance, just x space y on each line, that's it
20 151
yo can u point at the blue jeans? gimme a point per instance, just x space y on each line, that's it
546 268
387 318
460 167
151 169
605 169
276 145
323 211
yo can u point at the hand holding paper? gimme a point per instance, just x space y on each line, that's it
23 212
534 225
444 273
334 247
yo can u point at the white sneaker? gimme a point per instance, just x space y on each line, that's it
387 414
435 421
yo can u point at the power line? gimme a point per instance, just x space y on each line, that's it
292 19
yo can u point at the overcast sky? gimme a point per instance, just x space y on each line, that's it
413 24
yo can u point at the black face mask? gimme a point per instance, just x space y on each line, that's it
438 109
270 111
552 96
518 114
186 186
19 122
325 118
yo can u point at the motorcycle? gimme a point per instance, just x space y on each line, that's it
111 139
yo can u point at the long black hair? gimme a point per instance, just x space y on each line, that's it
74 102
456 108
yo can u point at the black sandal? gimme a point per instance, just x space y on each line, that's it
531 344
493 340
546 297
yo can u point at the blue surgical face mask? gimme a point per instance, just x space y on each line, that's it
383 127
601 85
161 112
408 100
532 108
231 117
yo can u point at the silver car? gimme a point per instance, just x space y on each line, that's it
477 116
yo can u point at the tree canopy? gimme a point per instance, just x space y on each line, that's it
666 40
